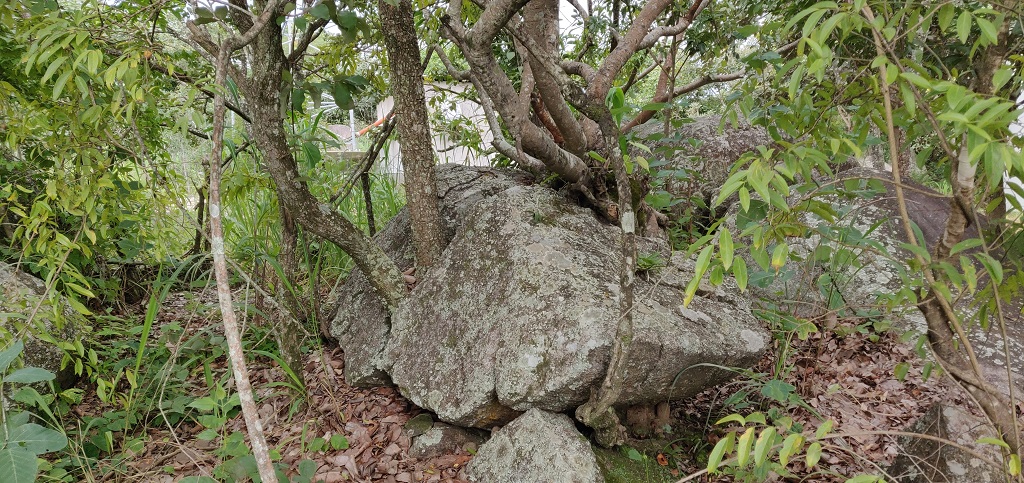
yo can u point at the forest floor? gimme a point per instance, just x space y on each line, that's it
848 379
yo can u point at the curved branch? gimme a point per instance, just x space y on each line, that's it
672 30
627 46
579 69
495 16
645 116
312 32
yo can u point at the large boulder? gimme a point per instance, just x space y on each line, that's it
537 446
28 313
522 307
360 323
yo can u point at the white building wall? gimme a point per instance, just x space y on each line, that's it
446 150
1018 130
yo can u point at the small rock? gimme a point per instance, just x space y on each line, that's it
444 439
537 446
419 425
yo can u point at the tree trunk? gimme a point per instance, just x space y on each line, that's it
232 333
263 91
413 128
288 330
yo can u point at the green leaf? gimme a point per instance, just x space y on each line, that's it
917 250
1001 77
993 267
746 31
58 87
965 245
634 455
52 68
29 375
916 79
946 16
307 468
18 465
824 429
725 248
743 446
732 418
9 355
901 371
813 454
963 26
988 31
744 198
764 443
37 439
724 445
320 11
203 404
92 61
779 256
995 441
208 434
78 306
703 263
790 447
339 442
777 390
739 272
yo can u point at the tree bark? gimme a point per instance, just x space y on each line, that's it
288 330
413 128
263 91
231 331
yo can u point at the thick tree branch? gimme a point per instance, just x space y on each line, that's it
627 46
460 75
231 330
542 16
488 76
579 69
645 116
672 30
311 33
495 16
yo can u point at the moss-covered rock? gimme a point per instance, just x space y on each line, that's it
628 465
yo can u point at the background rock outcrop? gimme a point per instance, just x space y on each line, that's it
694 159
23 296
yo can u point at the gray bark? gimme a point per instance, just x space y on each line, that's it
262 90
413 128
